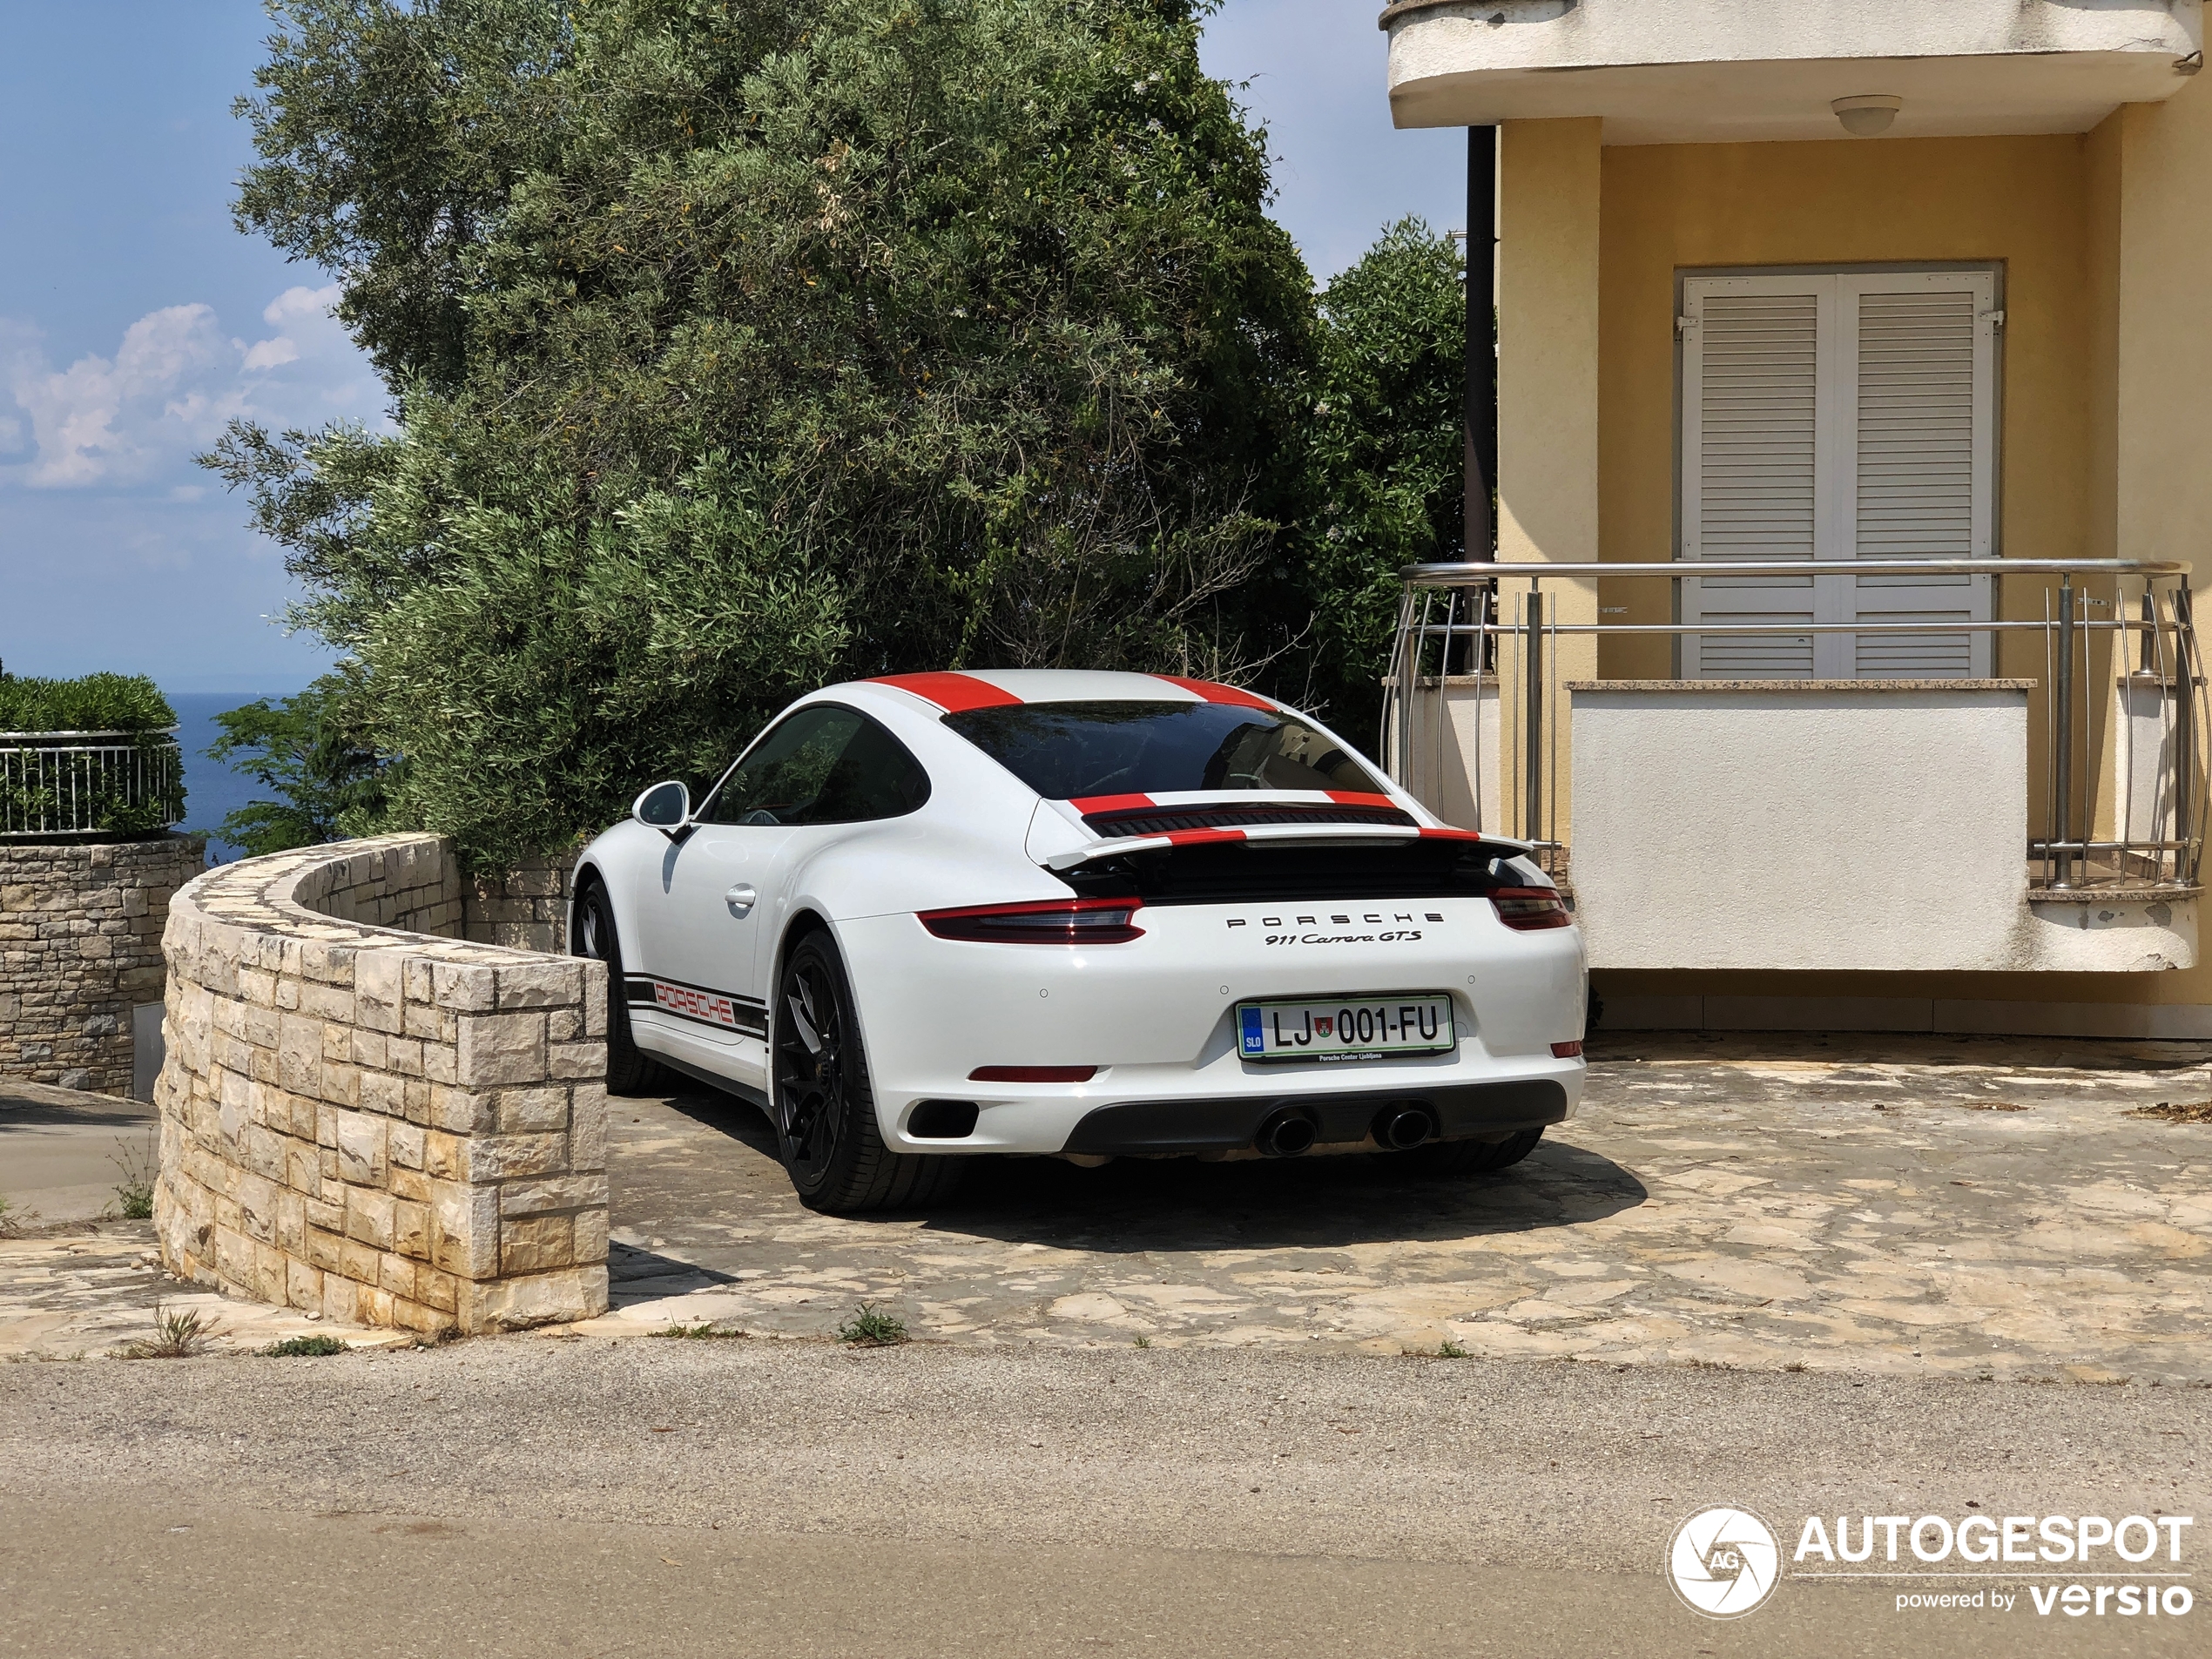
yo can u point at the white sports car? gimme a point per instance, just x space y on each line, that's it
1088 914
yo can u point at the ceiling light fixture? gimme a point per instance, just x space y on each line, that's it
1868 113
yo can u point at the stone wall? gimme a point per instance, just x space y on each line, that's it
362 1118
526 907
80 948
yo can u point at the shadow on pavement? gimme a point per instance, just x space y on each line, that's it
1139 1204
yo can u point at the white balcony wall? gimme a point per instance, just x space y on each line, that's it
1686 71
1451 762
1861 825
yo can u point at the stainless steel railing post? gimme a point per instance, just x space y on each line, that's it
1533 696
2184 735
2062 744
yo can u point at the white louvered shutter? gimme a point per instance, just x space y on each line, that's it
1918 463
1832 417
1753 442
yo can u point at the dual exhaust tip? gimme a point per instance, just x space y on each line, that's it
1290 1130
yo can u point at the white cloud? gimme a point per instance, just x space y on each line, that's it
271 353
176 380
310 310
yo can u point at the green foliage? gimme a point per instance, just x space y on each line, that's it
742 348
1385 455
134 1193
309 750
115 796
96 703
314 1347
871 1327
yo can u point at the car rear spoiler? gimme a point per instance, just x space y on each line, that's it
1305 835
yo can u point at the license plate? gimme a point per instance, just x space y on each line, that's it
1347 1028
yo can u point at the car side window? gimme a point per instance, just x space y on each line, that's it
823 764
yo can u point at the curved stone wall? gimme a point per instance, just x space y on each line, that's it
80 950
361 1116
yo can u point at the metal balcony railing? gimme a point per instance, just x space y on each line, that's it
57 786
1491 624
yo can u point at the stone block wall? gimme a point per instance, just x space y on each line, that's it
362 1118
80 948
526 907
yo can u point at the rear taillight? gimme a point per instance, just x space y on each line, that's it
1032 1074
1566 1051
1529 909
1049 921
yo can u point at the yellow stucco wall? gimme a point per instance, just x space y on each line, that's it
2105 241
1549 233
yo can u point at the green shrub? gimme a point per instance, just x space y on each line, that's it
316 1347
79 791
96 703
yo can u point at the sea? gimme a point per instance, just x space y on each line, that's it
212 791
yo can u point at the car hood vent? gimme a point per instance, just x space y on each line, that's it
1160 820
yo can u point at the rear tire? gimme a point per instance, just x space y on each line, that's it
630 1071
1467 1157
824 1105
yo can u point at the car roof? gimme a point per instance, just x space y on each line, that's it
956 693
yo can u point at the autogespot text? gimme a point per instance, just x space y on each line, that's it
2125 1568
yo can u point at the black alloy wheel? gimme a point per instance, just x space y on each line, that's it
630 1071
824 1108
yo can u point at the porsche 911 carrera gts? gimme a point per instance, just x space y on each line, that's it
1084 915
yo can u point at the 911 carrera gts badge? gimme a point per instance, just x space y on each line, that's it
1374 927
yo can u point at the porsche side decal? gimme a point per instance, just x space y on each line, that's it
701 1004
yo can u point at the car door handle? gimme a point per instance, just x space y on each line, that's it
740 899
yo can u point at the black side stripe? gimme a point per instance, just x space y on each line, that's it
702 1005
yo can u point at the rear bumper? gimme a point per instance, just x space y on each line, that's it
1463 1112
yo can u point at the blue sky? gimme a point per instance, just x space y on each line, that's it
135 320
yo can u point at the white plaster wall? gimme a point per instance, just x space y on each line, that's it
1664 72
2143 756
1859 827
1452 766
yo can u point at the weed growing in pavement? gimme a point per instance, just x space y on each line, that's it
176 1335
134 1193
1144 1342
11 1219
1795 1365
871 1327
703 1332
1448 1349
305 1347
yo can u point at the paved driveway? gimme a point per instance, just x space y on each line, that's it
1897 1205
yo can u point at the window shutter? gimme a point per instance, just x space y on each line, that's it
1920 442
1751 455
1833 416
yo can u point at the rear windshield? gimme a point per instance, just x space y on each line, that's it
1068 750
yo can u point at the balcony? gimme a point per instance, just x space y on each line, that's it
1740 70
2044 822
89 786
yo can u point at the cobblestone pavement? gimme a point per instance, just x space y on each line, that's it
1902 1205
75 1281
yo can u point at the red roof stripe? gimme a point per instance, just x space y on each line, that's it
1088 804
1353 798
955 693
1215 693
1199 837
1450 835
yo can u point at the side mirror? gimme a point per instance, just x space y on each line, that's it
666 807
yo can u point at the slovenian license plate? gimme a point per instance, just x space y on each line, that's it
1367 1028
